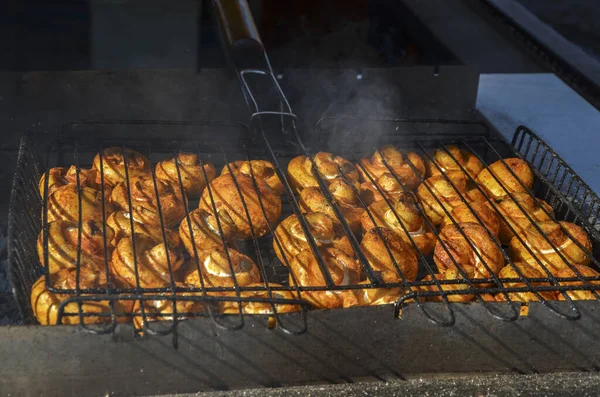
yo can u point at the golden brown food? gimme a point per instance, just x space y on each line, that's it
46 304
388 157
503 173
190 172
448 289
63 243
387 183
262 307
451 160
152 259
261 169
406 209
216 267
515 216
120 223
63 204
330 167
528 272
344 271
145 203
377 296
61 176
57 179
227 199
490 297
449 196
464 213
205 230
584 271
313 200
326 232
464 255
375 244
548 253
113 165
87 177
163 309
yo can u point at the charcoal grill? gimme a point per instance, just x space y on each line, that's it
309 336
286 361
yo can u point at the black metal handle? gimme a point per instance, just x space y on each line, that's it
248 58
239 32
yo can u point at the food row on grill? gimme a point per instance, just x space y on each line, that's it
401 207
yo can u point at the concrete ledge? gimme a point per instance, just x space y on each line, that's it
582 384
551 109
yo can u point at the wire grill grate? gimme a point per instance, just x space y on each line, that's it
220 144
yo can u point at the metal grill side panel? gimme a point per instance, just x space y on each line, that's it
24 223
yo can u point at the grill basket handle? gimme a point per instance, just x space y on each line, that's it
248 58
240 35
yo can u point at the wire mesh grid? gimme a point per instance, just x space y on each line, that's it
555 183
223 144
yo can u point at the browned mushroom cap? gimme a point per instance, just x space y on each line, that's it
260 169
389 158
388 185
56 180
405 212
64 244
164 309
150 258
113 164
63 204
344 271
262 307
216 266
375 245
451 191
584 271
191 171
466 213
120 223
503 173
326 232
519 218
528 272
87 177
227 199
206 232
61 176
548 246
46 304
448 290
330 167
145 209
377 296
451 160
313 200
464 255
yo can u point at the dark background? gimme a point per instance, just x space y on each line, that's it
124 34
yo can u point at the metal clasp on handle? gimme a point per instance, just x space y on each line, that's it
247 56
